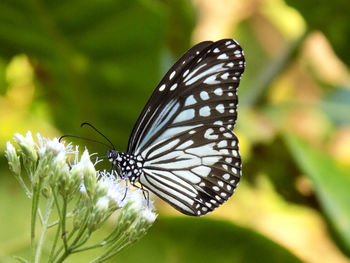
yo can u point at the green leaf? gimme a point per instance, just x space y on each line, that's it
331 184
203 240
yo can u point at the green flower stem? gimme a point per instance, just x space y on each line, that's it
112 250
58 231
35 205
82 242
63 217
66 253
68 249
43 231
82 229
101 244
24 186
20 259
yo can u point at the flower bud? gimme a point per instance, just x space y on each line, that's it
87 169
13 159
28 149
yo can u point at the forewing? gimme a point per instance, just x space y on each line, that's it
199 89
195 171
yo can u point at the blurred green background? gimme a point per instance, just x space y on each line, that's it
66 62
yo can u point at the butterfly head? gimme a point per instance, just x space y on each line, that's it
113 156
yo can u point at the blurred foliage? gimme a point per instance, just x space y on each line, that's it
331 18
222 242
91 58
331 184
66 62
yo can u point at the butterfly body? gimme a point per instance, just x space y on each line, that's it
182 147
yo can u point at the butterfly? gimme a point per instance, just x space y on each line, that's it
182 147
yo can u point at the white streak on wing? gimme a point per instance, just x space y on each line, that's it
173 160
164 148
214 69
185 115
185 145
190 100
167 197
188 176
180 186
204 150
186 72
168 111
175 130
202 170
210 160
194 72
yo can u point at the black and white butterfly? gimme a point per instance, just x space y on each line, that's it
182 147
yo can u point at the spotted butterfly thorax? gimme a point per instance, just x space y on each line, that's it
182 147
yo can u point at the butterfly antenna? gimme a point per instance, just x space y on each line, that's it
82 138
95 129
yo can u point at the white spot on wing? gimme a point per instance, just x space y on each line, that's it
218 91
185 115
190 100
222 144
204 95
172 74
161 88
186 72
216 50
209 134
204 111
211 80
220 108
173 86
223 56
225 75
226 176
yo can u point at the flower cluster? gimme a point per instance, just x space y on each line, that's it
83 197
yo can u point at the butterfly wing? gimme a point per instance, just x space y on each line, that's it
195 171
196 102
200 88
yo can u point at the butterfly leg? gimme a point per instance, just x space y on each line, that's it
126 189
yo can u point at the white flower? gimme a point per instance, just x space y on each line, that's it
28 147
149 215
102 203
